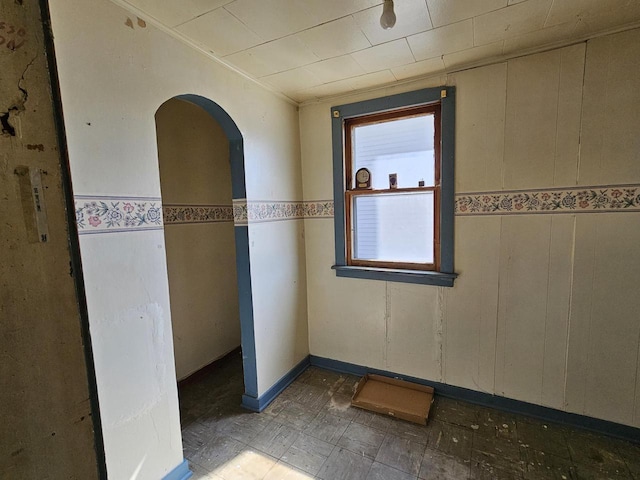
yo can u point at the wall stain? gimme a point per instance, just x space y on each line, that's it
33 146
129 23
7 128
141 23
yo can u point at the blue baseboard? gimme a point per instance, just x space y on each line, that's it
181 472
259 404
613 429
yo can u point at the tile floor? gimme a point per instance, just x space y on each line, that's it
311 431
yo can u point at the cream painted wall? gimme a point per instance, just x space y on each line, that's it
113 79
193 154
545 307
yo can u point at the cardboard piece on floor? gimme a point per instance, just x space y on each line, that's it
393 397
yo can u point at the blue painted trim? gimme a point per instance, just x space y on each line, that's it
229 127
447 194
389 275
377 105
236 157
259 404
231 130
181 472
447 198
243 261
510 405
339 185
245 299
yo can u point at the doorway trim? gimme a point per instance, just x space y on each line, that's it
243 262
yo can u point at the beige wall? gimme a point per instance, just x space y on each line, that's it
193 153
545 307
113 79
46 429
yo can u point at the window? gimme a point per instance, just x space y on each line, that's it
393 187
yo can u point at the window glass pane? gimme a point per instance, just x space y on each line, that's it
404 147
394 227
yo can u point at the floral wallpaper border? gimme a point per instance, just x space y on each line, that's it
269 211
107 214
104 214
181 214
598 199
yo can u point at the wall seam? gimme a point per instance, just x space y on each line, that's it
569 312
441 332
636 390
387 314
593 281
504 124
546 311
555 146
495 348
584 74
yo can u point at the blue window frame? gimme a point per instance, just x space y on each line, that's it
444 97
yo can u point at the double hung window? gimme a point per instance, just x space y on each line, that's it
393 188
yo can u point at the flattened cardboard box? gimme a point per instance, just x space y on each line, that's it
393 397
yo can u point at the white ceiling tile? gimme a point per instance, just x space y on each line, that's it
442 40
594 15
334 38
286 53
540 37
317 48
337 68
384 56
283 54
475 54
326 90
444 12
375 79
327 10
175 12
411 17
510 21
424 67
251 63
272 19
569 10
219 32
292 80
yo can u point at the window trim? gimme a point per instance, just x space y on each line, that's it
351 193
446 97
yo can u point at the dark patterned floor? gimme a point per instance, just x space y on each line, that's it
311 431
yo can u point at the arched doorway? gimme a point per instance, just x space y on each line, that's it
234 239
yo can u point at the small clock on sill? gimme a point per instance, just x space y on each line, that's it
363 179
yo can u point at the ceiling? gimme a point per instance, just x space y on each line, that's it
308 49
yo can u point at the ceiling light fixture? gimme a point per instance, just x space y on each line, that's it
388 18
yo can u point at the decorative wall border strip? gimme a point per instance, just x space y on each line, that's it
596 199
318 209
187 214
105 214
111 214
240 213
258 211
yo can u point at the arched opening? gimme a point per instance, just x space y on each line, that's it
201 164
